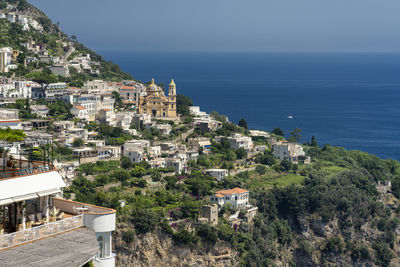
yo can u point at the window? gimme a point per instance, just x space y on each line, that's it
101 245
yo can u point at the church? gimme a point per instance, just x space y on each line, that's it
156 103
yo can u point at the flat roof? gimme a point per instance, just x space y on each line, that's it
73 248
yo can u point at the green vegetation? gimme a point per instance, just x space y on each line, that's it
12 35
182 104
11 135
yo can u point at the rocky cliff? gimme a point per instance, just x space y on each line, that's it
159 249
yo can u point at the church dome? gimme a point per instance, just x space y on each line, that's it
152 86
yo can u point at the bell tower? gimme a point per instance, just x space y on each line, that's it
172 88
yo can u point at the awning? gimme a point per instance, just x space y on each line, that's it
49 192
25 197
6 201
22 187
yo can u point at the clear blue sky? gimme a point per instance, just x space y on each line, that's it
230 25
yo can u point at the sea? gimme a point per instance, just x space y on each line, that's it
343 99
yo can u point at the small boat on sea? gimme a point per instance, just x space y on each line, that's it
290 117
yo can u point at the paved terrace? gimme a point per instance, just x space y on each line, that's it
73 248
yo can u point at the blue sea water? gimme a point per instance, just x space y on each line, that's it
349 100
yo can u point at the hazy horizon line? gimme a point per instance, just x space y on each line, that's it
247 51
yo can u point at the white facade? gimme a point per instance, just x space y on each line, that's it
237 197
134 150
176 163
240 141
285 150
218 174
96 86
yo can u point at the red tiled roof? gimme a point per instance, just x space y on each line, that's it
2 121
127 88
80 107
235 190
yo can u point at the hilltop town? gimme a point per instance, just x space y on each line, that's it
142 176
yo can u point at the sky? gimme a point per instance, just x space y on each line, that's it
230 25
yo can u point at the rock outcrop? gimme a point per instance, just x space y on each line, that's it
159 249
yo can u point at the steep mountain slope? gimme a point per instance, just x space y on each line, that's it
49 39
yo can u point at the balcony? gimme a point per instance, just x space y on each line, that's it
17 168
39 232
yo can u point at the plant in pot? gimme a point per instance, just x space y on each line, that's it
19 224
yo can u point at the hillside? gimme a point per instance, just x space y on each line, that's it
328 207
42 44
332 211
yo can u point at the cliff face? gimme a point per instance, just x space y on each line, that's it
158 249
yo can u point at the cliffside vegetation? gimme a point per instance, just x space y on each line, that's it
52 39
325 213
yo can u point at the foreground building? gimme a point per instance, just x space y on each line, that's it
39 228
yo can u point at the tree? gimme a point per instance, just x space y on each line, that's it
118 100
43 78
278 131
144 220
182 104
218 117
207 233
241 153
78 142
10 135
314 142
76 83
296 136
261 169
267 160
126 162
61 109
286 165
242 123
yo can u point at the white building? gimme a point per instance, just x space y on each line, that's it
259 133
107 116
200 143
96 86
286 150
124 119
177 163
164 129
80 112
237 141
9 118
237 197
218 174
23 88
135 150
195 110
40 110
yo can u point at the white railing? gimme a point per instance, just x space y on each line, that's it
38 232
